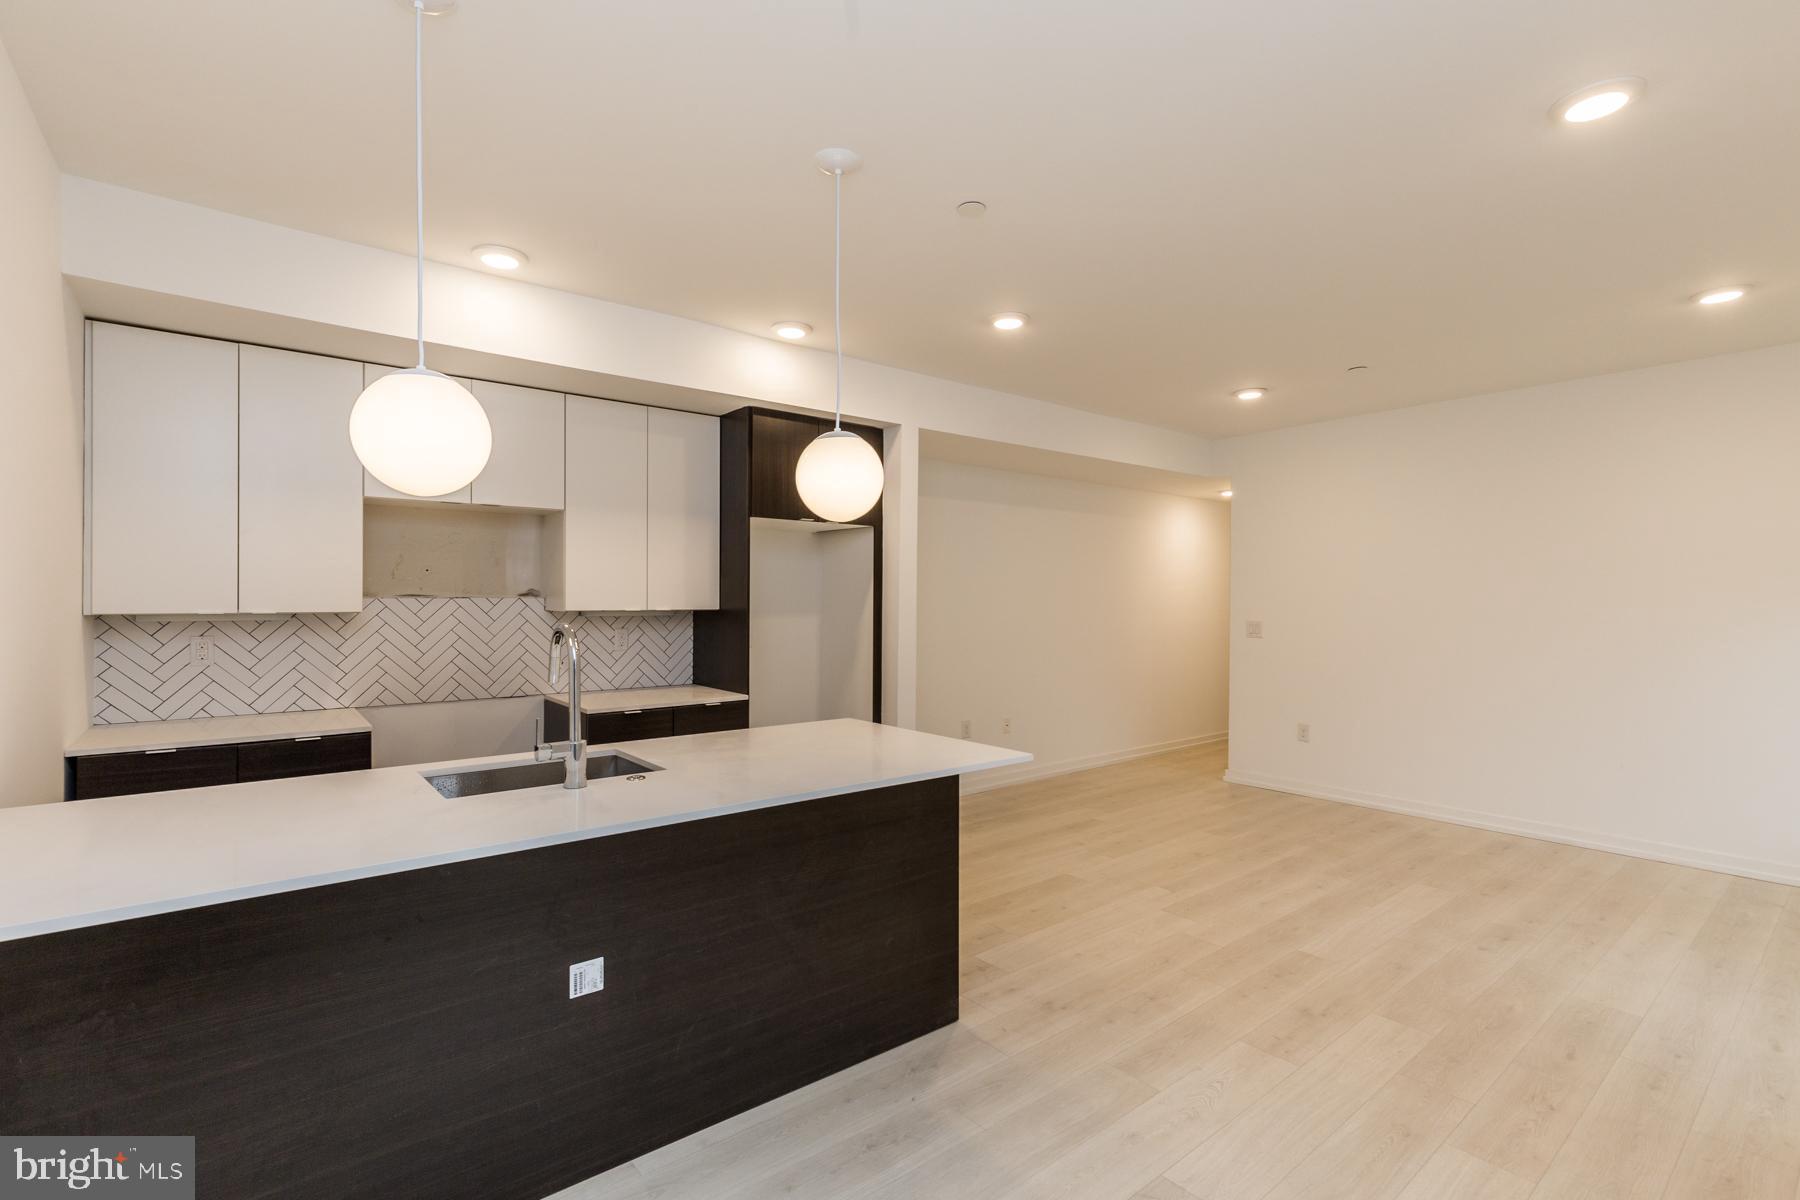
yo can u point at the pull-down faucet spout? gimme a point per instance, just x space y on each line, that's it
573 752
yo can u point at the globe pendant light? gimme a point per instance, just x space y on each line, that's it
420 432
839 476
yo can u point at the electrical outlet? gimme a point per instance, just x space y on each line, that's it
1303 732
966 731
200 651
586 978
1253 629
1005 726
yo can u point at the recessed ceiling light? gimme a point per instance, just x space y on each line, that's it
501 258
970 208
1598 100
1720 296
1010 321
793 331
1250 393
1225 495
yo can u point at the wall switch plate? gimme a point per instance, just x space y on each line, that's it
1253 629
966 730
200 651
1303 732
586 978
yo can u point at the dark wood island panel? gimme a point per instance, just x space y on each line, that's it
411 1034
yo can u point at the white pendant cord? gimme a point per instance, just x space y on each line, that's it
419 160
837 292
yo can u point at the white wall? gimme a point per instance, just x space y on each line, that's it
404 734
43 660
1570 610
812 614
1094 617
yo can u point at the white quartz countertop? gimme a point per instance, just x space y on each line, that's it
633 699
215 731
88 862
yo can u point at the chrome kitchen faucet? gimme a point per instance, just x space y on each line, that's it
573 752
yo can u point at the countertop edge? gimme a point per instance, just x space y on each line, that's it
354 723
300 883
674 696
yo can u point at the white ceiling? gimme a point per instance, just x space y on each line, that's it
1186 196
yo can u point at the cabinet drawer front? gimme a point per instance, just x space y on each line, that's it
710 718
630 727
303 756
157 771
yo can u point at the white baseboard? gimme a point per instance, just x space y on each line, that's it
987 781
1683 856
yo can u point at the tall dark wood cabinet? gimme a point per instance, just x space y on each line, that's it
759 450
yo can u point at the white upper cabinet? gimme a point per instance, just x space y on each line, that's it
162 478
374 487
599 546
684 510
221 479
526 468
300 487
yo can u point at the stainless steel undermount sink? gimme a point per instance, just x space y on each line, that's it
479 781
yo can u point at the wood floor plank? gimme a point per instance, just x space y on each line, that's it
1471 1052
1118 1162
1714 1168
1190 1041
1043 1132
1746 1136
1523 1120
1044 1011
1327 1010
1687 1025
1251 1155
1624 1146
1375 1154
1633 973
1452 1174
852 1165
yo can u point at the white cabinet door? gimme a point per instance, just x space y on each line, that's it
373 486
684 510
598 544
162 472
299 484
526 467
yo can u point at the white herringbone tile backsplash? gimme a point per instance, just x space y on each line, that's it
398 650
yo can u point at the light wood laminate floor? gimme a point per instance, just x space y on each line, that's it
1179 989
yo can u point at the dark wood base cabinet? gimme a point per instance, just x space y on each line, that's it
95 775
412 1034
647 722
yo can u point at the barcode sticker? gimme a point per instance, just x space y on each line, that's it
587 977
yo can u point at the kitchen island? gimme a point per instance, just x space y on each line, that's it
350 985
